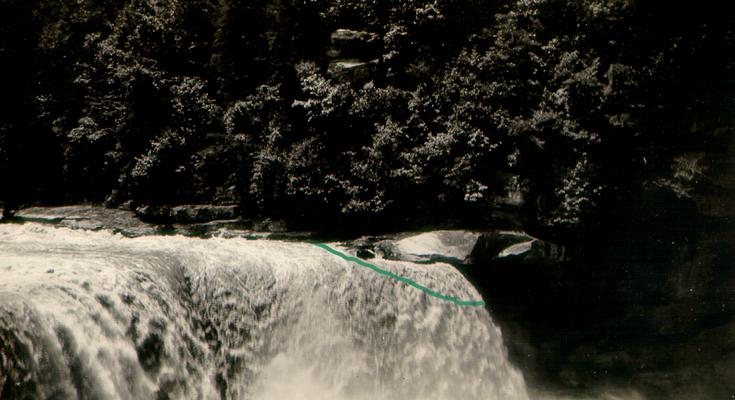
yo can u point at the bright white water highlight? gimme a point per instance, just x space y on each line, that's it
93 315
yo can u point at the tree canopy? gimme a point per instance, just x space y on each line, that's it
351 109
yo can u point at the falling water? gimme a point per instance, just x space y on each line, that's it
95 315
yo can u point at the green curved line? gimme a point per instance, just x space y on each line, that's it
399 278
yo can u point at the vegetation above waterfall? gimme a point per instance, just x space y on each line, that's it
354 110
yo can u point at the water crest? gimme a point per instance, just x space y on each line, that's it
94 315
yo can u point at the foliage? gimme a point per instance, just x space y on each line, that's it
566 106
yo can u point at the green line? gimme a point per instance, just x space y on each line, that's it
399 278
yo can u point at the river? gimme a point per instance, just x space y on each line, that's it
97 315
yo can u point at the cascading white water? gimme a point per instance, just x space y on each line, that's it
95 315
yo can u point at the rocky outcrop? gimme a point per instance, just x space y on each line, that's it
651 309
353 55
192 220
269 225
348 43
651 318
190 213
445 245
88 217
459 247
203 213
352 70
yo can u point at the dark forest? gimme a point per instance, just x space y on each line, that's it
374 114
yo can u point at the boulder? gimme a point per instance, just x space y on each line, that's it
352 70
7 214
428 246
354 55
342 37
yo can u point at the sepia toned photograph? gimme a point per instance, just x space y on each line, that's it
367 200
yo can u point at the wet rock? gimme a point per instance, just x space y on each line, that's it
294 236
224 228
458 247
127 205
367 247
89 217
202 213
495 244
268 225
436 245
7 214
186 214
365 254
515 244
443 245
154 214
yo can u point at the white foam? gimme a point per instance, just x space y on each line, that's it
250 318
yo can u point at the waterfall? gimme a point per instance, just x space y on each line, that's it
96 315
